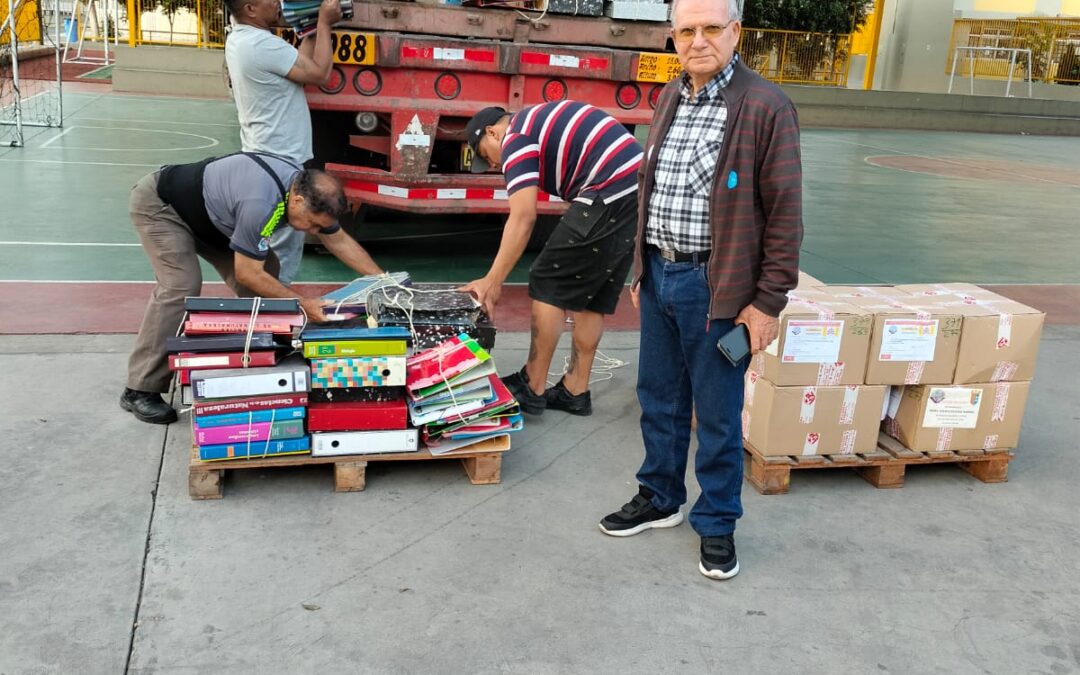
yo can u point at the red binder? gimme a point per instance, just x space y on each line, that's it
358 416
213 360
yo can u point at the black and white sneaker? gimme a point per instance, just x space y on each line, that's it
639 515
530 402
718 559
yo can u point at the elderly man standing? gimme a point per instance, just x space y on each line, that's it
268 77
718 245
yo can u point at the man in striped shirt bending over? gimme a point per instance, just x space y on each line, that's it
581 155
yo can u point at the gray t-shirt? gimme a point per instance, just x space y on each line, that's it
273 111
244 202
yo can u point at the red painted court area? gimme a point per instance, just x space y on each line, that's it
89 308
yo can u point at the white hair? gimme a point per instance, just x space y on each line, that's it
734 9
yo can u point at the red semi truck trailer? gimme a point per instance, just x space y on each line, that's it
408 76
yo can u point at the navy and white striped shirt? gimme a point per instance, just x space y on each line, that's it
571 150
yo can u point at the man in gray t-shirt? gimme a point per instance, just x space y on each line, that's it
268 77
224 210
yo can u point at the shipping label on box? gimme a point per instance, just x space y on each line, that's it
908 340
977 417
822 341
912 342
953 407
812 341
811 420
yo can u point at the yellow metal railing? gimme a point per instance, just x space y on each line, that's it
190 23
797 58
1054 43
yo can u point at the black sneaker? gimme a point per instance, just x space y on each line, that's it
718 559
147 406
530 401
558 398
638 515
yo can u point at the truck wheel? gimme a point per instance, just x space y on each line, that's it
542 230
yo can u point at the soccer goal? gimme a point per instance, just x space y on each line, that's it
30 82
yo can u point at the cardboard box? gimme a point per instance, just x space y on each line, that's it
811 420
952 290
912 342
1000 340
822 342
807 281
972 417
848 293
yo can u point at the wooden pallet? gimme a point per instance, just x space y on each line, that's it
482 462
883 468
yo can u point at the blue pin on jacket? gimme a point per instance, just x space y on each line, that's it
732 180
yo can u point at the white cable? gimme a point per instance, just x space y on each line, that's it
602 366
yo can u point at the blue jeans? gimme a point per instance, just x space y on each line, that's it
680 367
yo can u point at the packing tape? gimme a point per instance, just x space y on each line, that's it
1004 370
830 374
809 403
745 423
914 372
944 439
990 442
847 442
1001 402
751 387
810 446
847 408
1005 322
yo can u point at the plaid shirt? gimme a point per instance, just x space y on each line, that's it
679 205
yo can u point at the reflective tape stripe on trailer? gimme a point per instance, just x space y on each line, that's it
448 54
440 193
564 61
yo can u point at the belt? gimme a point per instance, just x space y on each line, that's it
671 255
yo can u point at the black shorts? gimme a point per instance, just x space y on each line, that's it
584 265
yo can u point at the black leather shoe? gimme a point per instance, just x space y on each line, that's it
530 402
147 406
559 398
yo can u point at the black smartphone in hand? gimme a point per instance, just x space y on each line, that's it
735 344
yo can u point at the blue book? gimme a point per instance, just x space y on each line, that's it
331 334
255 449
353 295
255 416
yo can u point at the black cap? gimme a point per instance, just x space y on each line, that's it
474 131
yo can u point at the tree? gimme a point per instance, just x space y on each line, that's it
835 17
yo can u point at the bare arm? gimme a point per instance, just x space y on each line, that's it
519 227
349 252
252 274
313 64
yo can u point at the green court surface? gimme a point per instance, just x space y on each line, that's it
880 206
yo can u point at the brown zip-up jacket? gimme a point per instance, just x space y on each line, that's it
757 225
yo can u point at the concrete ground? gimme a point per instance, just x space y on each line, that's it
109 567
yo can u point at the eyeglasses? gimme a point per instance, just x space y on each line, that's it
710 32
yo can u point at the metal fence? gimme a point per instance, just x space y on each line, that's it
797 58
189 23
1054 43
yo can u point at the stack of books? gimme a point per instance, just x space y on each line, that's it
358 391
303 15
434 313
248 401
456 398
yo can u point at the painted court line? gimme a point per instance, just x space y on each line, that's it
60 243
213 141
71 161
133 121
